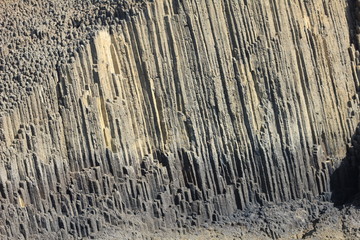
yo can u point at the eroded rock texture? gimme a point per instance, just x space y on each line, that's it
166 114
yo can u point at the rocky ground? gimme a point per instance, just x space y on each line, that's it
317 220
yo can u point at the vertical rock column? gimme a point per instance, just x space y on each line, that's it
185 112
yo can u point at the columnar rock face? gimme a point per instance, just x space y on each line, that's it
178 114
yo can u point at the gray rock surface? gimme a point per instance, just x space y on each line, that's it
159 115
301 219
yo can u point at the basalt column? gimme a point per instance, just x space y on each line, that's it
183 112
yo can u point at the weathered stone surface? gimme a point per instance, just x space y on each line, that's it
170 114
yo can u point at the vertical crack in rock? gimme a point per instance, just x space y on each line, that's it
345 179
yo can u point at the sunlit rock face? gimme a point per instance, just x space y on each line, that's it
170 114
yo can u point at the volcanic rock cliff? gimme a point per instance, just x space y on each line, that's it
171 113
